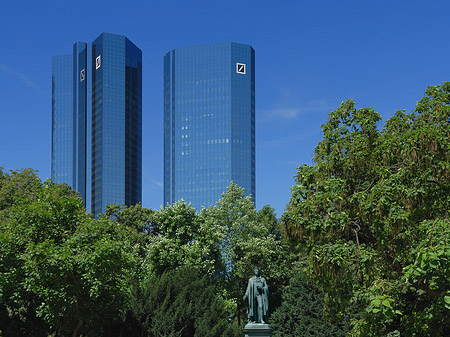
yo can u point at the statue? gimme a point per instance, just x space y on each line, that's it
257 298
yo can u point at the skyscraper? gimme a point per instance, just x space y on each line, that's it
209 122
97 121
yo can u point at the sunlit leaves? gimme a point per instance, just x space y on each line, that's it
76 267
372 215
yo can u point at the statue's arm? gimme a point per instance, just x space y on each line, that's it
246 292
265 286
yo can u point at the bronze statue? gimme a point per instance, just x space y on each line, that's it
257 298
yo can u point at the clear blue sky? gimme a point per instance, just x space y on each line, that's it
310 56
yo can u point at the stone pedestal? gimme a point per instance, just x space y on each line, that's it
257 330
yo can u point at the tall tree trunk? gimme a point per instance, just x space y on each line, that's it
77 328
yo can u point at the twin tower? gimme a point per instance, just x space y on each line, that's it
209 121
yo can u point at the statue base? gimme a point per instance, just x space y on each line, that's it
257 330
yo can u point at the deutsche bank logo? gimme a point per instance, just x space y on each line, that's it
240 68
82 75
98 61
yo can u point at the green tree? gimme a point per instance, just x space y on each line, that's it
180 302
266 217
14 185
224 242
76 267
178 238
247 238
17 306
301 312
372 217
134 216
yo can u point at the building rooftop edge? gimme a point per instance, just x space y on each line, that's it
210 44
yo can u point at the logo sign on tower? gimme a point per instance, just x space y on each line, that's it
240 68
82 75
98 61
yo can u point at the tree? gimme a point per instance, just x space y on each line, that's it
266 217
372 217
301 311
247 239
180 302
17 306
178 238
224 242
134 216
75 266
15 185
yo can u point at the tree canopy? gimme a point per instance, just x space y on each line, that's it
363 248
301 311
372 213
180 302
60 269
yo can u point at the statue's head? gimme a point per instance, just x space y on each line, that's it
256 271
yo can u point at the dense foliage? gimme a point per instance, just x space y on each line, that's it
60 270
372 215
127 273
247 238
224 242
180 302
301 312
363 248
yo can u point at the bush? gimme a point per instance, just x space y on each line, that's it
180 303
301 312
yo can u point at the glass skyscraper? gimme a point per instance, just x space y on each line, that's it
209 122
97 121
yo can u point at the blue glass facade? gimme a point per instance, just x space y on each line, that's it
209 122
107 122
63 124
80 113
